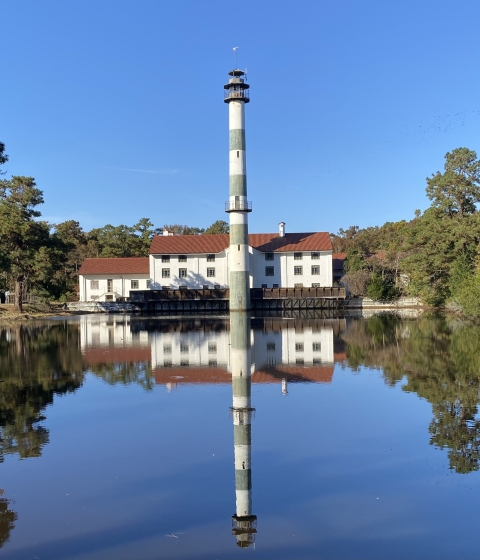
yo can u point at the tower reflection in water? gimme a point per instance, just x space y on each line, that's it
244 523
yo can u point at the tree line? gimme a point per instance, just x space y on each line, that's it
435 256
43 259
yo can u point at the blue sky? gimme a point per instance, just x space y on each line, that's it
116 107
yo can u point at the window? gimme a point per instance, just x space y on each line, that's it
110 285
167 348
205 287
270 346
315 285
315 255
182 258
94 284
210 258
269 256
167 363
134 284
212 347
95 298
264 285
275 285
299 347
212 363
298 270
185 362
299 362
165 258
183 348
316 361
182 272
315 269
269 271
165 287
216 286
148 284
298 285
165 273
210 273
297 256
316 346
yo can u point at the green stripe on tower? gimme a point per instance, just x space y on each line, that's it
239 234
242 435
237 139
241 385
238 185
243 479
239 291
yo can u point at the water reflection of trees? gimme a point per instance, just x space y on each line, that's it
441 362
7 520
36 362
125 373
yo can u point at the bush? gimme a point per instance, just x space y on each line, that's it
381 288
468 295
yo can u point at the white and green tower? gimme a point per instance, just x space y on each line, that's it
237 95
244 523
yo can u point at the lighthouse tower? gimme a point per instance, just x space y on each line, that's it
237 95
243 522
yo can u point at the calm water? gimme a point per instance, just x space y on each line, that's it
130 438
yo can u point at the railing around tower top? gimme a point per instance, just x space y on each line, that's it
237 94
242 205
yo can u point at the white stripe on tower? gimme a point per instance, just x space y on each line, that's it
236 95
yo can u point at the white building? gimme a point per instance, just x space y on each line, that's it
109 279
282 260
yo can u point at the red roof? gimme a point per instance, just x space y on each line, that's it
209 375
264 242
117 354
125 265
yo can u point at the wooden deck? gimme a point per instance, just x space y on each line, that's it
266 299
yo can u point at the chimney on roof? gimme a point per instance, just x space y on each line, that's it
166 232
281 229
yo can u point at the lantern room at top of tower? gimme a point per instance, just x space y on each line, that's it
236 89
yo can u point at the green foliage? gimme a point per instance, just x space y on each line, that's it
468 295
460 271
354 261
21 235
381 288
3 156
220 226
457 190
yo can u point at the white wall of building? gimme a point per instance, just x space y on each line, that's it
283 267
109 330
197 266
121 285
203 349
194 348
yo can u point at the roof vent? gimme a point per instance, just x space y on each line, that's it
281 229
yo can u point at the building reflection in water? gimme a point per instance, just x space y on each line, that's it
243 522
220 351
